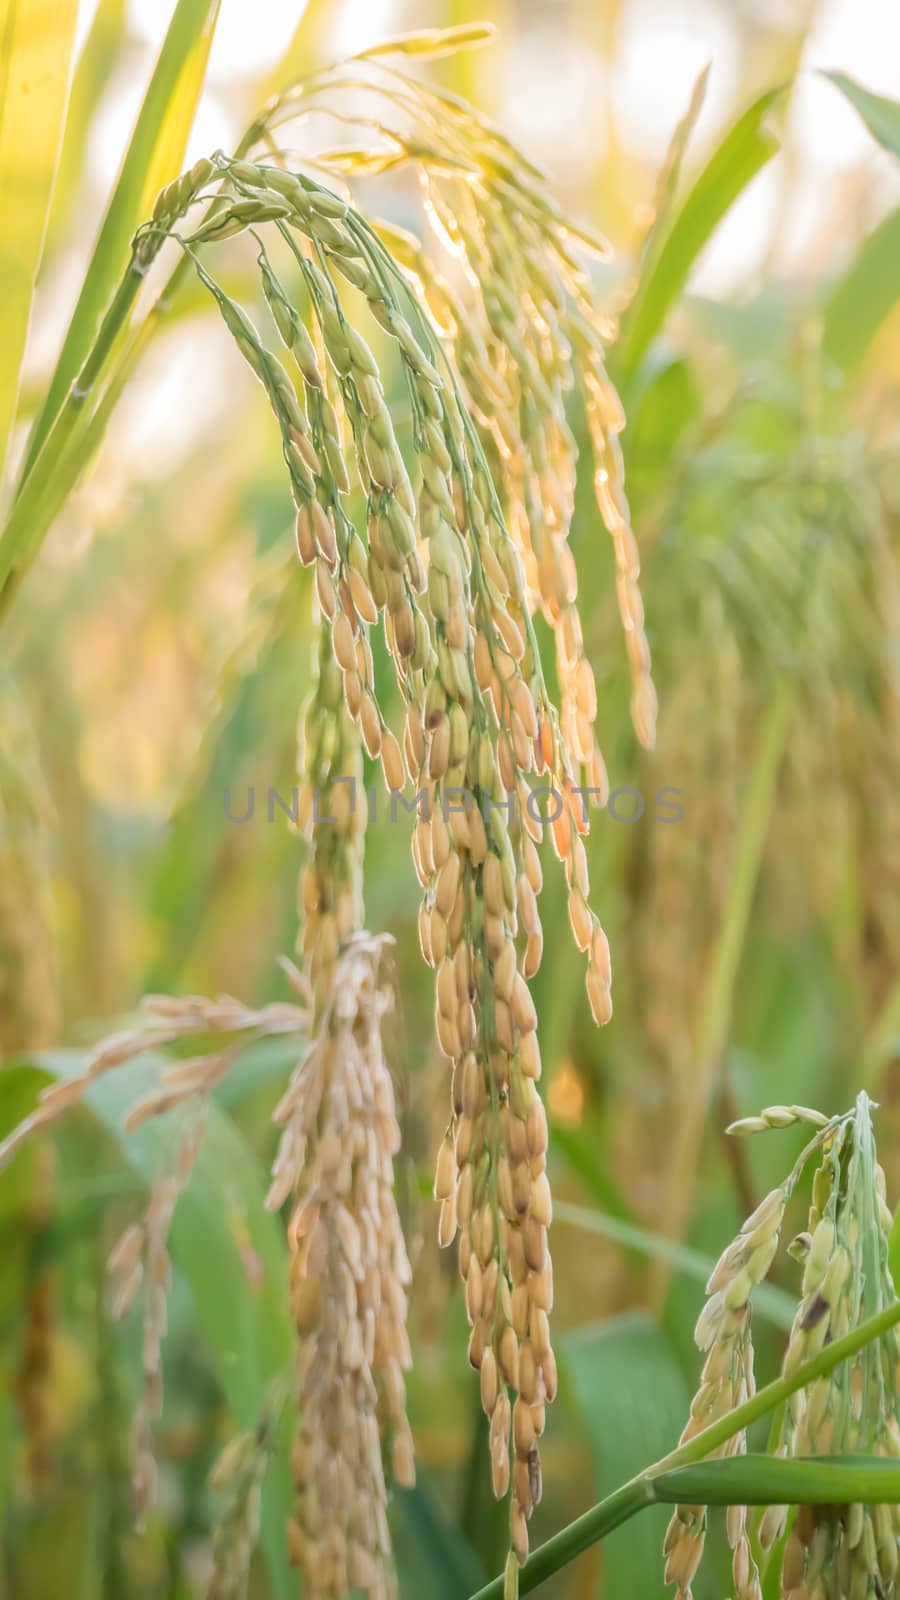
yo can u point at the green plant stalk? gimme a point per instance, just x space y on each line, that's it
40 497
718 995
664 1481
75 434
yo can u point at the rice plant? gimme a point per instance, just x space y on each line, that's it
442 398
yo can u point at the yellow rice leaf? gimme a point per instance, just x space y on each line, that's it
36 38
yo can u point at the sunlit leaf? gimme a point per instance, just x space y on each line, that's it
94 68
433 42
36 38
863 297
670 174
743 152
154 157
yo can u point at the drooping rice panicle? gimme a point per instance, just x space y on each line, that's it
444 569
165 1020
831 1552
332 810
139 1264
723 1332
846 1551
349 1270
468 510
538 326
349 1274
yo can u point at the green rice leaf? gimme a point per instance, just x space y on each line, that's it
880 114
670 175
444 1557
631 1400
775 1304
743 152
863 297
759 1480
219 1218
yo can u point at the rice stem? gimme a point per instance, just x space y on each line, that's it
646 1490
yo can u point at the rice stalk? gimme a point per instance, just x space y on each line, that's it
330 889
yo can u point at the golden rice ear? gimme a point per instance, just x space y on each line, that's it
349 1275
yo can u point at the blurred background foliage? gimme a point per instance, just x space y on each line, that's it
159 656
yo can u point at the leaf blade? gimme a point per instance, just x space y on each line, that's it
153 158
745 149
245 1328
627 1386
776 1305
756 1479
453 1569
36 44
863 297
93 70
880 114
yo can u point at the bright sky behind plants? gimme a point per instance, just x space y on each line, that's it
627 89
